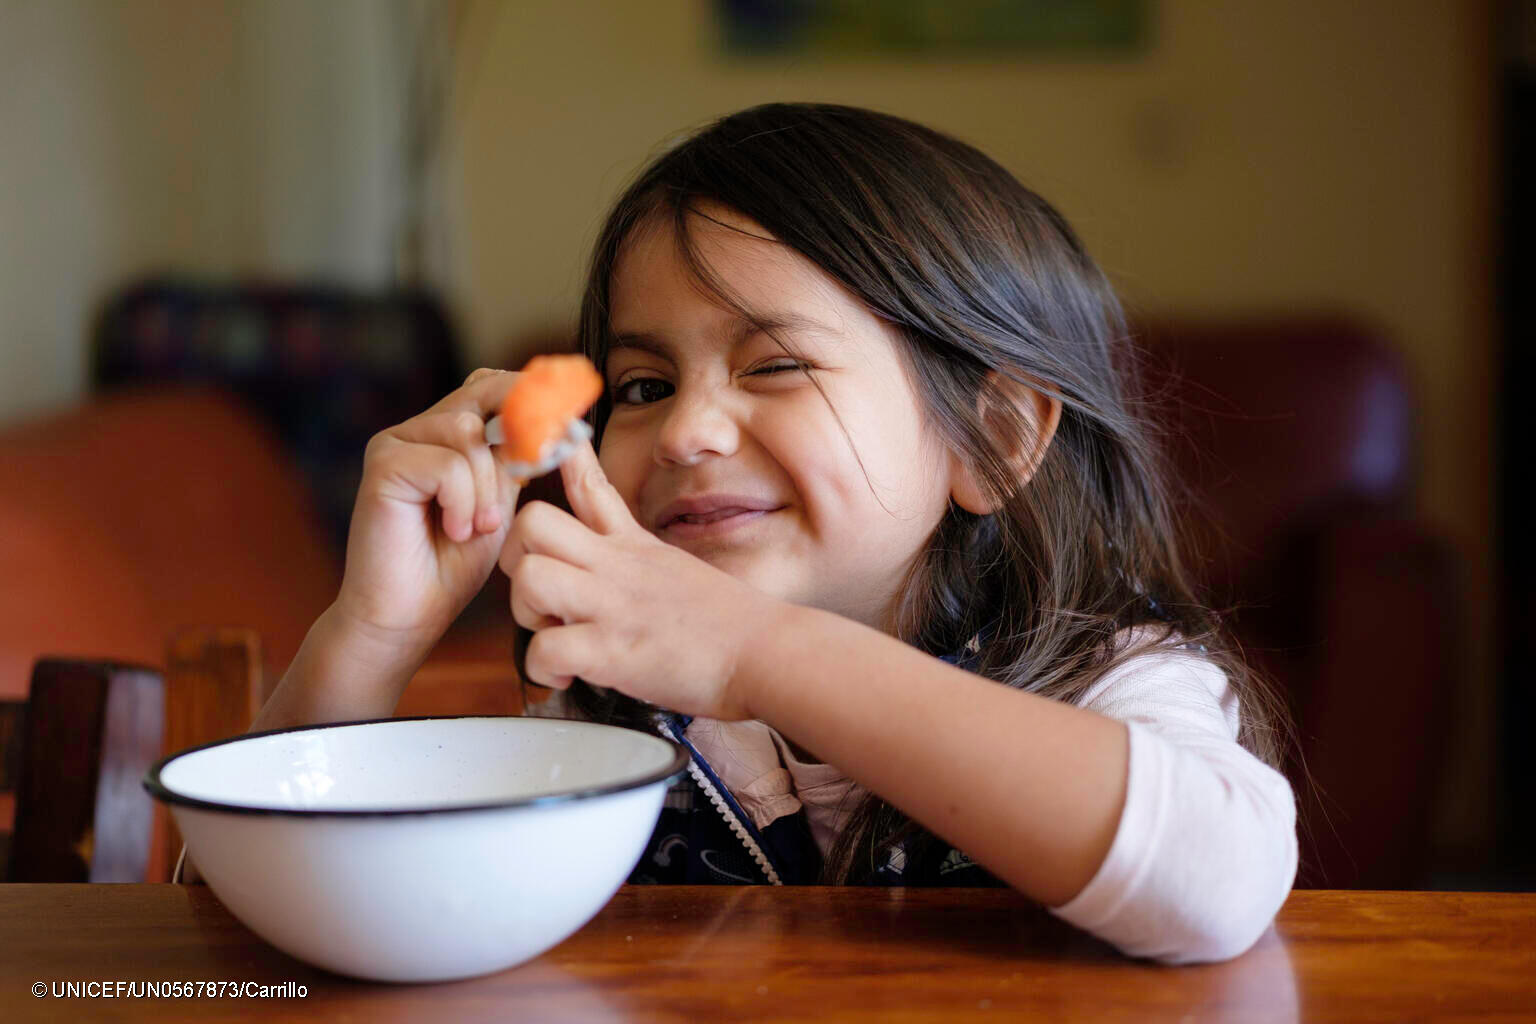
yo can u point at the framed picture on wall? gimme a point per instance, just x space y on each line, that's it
940 28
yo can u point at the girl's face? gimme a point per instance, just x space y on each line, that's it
721 444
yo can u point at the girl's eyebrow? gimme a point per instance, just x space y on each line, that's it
791 323
644 342
742 329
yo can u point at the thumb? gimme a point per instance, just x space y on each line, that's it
594 500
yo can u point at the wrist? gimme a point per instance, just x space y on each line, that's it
770 628
376 645
343 671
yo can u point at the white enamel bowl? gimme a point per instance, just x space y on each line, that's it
419 849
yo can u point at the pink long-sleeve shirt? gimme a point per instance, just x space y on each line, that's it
1205 852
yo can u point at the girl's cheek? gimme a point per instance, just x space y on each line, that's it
623 458
822 470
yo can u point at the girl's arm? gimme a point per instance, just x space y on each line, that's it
1029 787
343 672
1146 824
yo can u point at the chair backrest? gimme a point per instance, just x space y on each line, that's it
90 731
1274 424
214 685
80 744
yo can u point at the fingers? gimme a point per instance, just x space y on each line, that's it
541 528
419 473
482 392
458 423
463 431
548 592
559 654
594 500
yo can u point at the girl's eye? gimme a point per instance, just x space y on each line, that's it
645 390
641 391
782 366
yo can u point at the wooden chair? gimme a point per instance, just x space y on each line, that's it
81 743
74 753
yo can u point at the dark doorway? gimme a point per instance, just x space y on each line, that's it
1516 496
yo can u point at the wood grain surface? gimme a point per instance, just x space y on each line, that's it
658 953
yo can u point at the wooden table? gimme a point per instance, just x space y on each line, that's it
717 953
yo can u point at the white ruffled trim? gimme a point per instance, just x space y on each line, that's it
725 811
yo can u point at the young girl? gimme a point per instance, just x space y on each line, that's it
872 529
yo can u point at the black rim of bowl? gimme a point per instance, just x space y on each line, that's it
161 792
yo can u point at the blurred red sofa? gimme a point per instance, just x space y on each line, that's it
137 514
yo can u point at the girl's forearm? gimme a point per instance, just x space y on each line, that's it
340 674
1031 788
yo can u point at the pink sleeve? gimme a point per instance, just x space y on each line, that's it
1205 852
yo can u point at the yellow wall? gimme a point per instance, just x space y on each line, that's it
216 137
117 153
1256 156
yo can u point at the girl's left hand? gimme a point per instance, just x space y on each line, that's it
610 602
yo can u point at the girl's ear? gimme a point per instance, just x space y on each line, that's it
1040 414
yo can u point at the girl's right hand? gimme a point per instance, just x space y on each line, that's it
409 570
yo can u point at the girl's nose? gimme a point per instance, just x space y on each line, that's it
696 425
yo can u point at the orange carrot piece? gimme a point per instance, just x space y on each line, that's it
549 393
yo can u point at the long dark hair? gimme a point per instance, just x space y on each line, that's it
976 273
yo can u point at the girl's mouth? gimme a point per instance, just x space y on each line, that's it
712 524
